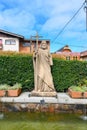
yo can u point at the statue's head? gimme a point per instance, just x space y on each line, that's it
44 44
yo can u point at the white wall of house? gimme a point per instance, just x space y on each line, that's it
84 58
10 44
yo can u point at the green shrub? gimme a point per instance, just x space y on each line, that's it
79 88
15 86
3 87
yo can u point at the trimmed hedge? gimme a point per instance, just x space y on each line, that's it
19 68
67 73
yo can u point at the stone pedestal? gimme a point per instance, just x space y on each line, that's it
43 94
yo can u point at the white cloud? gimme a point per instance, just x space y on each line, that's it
46 16
55 23
17 21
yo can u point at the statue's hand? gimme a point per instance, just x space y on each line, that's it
35 54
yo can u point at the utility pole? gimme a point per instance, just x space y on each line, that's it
86 12
35 65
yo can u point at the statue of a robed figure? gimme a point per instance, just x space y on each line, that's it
42 61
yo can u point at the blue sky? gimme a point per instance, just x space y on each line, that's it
48 17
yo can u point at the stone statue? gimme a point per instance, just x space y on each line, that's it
42 60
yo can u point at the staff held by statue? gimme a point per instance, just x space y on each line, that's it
36 65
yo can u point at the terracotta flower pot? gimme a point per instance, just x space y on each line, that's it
14 93
2 93
75 94
85 94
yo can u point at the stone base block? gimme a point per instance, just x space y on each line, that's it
43 94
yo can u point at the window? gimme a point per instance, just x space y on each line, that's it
27 44
68 58
10 42
7 42
85 59
75 58
0 43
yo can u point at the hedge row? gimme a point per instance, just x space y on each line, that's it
19 68
67 73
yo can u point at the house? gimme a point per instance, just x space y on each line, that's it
83 55
9 41
14 42
28 45
66 53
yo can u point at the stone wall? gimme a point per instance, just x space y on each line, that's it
42 107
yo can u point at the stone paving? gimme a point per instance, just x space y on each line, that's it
62 98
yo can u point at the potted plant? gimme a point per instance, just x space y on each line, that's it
78 91
14 90
3 89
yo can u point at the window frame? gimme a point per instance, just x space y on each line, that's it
11 42
1 45
75 58
67 57
26 44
